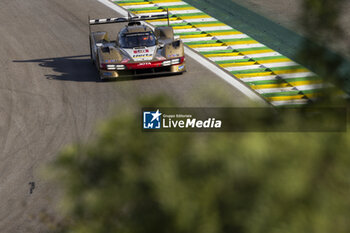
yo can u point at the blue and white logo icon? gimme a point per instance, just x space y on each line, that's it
151 120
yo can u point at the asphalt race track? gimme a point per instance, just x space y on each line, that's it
49 97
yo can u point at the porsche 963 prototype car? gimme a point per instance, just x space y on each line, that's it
137 50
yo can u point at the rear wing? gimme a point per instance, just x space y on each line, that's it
129 19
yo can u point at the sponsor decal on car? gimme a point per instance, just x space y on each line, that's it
125 60
160 58
110 61
144 63
142 55
174 55
141 51
107 73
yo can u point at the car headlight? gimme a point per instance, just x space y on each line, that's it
110 67
113 67
166 63
120 67
171 62
175 61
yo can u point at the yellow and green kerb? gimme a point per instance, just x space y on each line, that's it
281 81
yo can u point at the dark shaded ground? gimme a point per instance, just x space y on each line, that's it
70 68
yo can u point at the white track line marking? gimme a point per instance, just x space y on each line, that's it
206 63
155 5
275 90
297 75
257 55
170 12
186 30
237 36
185 11
139 6
115 7
199 20
171 4
260 78
295 88
204 49
289 102
242 46
197 39
226 58
246 46
313 86
216 28
156 23
279 64
239 68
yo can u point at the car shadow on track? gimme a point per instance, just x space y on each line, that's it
76 69
70 68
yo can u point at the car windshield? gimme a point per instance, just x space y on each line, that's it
137 40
